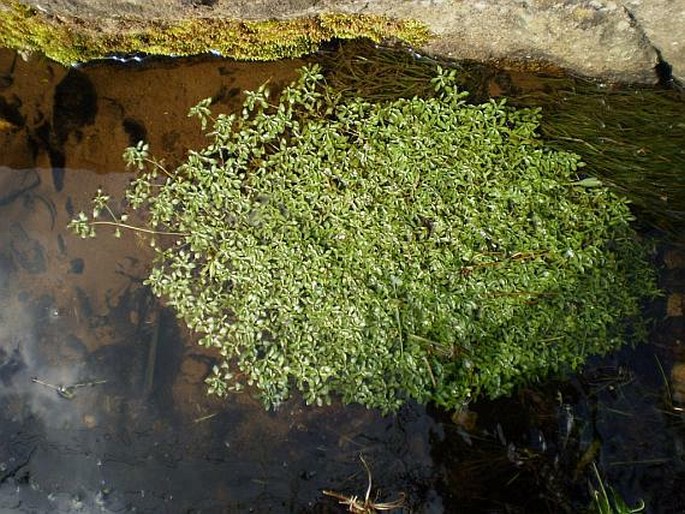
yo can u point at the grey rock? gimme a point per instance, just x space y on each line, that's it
612 40
663 23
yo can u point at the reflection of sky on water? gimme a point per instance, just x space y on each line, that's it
73 312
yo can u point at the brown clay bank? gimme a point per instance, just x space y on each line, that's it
611 40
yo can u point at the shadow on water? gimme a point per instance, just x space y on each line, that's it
102 396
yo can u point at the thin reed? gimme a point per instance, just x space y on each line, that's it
633 140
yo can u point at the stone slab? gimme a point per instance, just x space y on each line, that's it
611 40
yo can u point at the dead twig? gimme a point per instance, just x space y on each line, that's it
366 505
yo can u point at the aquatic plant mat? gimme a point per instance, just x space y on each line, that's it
76 310
426 248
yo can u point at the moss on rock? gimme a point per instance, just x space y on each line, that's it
71 40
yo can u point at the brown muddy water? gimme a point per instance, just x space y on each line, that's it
139 434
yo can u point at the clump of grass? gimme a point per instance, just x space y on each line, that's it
378 74
631 139
607 501
365 505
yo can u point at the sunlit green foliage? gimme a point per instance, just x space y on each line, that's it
612 128
421 248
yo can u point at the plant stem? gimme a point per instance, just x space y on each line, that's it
138 229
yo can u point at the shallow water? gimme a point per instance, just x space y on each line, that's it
149 438
141 434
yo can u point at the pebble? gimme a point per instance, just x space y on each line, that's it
89 421
678 382
675 305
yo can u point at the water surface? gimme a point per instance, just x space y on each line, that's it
141 435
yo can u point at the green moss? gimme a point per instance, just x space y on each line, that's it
70 40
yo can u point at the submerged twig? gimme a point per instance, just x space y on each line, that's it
366 505
152 355
205 418
67 391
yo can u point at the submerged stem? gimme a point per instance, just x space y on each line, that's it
138 229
